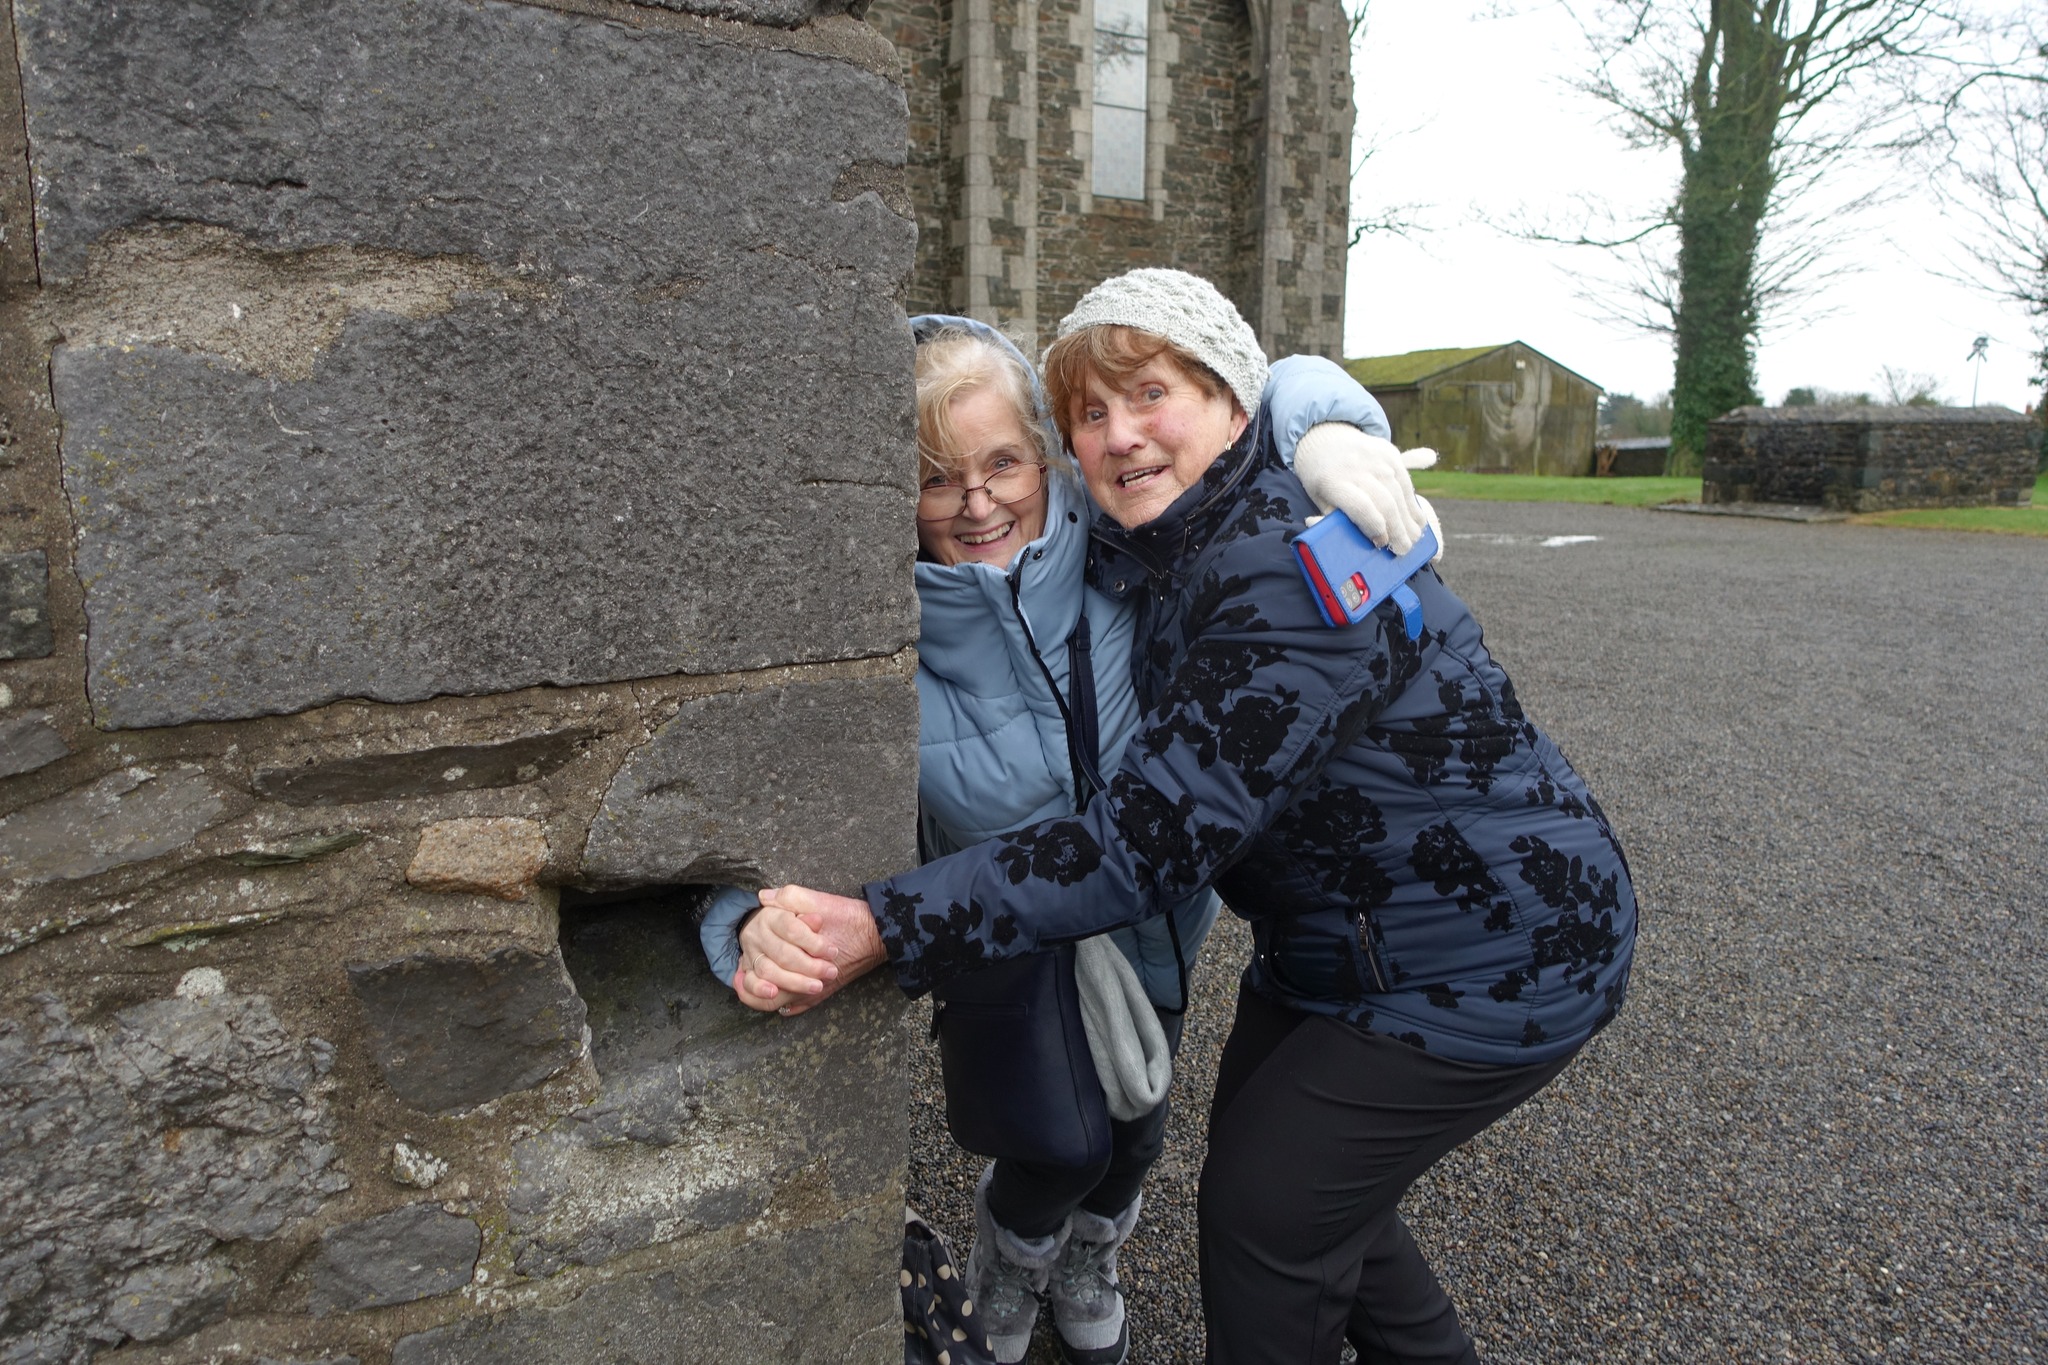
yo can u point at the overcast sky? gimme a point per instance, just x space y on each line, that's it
1477 123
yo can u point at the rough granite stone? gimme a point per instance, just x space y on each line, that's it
452 1032
416 1167
663 154
684 1136
299 848
776 13
28 742
823 1296
125 817
422 772
689 391
25 606
160 1302
706 801
417 1252
179 1125
488 856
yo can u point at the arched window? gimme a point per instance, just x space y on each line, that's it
1122 36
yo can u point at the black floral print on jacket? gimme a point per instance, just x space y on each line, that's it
1413 854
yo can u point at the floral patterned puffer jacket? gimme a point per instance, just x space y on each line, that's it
1413 854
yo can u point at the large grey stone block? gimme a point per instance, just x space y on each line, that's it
421 772
28 742
452 1032
671 381
130 1152
25 606
417 1252
707 1110
823 1296
160 1302
444 540
125 817
559 143
831 802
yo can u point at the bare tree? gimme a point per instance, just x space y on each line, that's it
1761 100
1996 125
1905 388
1382 218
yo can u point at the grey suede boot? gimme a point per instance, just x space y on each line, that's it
1005 1275
1087 1306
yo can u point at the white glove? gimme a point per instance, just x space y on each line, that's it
1367 479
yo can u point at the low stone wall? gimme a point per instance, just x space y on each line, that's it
1870 459
455 505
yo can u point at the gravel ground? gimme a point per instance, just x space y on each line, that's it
1816 1132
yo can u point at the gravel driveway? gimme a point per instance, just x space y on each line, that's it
1816 1133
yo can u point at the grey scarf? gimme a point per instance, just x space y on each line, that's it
1124 1036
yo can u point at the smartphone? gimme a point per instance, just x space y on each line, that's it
1350 576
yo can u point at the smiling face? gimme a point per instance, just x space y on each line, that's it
1146 438
987 438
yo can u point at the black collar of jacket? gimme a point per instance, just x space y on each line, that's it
1162 545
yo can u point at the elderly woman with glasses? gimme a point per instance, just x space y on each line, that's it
1441 915
1020 665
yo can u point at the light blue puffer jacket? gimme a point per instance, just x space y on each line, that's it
993 647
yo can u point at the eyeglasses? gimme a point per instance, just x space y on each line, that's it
945 501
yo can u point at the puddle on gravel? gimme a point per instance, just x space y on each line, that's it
1540 542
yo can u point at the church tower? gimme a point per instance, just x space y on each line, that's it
1057 142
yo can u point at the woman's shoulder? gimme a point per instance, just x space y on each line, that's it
1253 577
1257 537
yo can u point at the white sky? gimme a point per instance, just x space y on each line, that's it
1476 122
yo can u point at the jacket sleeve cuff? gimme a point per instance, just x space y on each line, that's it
895 922
719 931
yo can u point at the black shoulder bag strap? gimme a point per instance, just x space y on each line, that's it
1084 748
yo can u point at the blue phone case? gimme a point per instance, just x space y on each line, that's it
1350 576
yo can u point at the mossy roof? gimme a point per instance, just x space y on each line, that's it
1397 371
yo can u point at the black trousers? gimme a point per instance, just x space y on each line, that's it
1033 1200
1316 1131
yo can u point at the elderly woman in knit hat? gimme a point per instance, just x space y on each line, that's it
1441 915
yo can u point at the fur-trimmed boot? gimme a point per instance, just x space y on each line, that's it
1087 1306
1005 1275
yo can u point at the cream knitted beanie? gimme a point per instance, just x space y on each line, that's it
1189 312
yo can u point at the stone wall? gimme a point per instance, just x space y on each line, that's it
1870 459
456 500
1248 167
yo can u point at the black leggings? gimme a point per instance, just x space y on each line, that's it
1032 1200
1316 1131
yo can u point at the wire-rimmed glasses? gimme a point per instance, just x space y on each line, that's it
938 501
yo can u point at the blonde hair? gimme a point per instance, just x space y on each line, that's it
956 362
1114 352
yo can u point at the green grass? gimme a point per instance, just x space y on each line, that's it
2010 521
1431 483
1543 488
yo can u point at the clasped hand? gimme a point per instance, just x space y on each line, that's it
801 946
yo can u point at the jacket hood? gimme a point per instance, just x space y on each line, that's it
958 631
925 326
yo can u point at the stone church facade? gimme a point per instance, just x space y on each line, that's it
1057 142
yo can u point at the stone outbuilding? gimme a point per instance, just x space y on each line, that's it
1054 143
1488 409
1871 459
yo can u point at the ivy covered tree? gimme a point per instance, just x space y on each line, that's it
1759 100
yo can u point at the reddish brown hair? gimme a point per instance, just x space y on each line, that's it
1114 353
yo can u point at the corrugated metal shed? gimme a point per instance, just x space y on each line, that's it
1507 408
